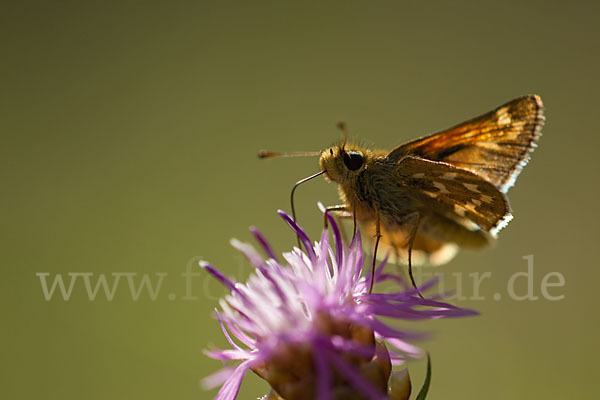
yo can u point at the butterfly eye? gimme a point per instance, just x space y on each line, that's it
353 160
331 151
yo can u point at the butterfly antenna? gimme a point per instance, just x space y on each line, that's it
342 127
274 154
301 181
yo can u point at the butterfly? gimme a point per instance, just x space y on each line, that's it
434 194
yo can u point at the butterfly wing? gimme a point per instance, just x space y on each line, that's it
495 145
456 207
455 193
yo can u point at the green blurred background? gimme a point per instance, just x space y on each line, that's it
129 138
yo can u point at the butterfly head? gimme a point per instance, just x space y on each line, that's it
343 162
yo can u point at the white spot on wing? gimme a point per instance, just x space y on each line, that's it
472 187
441 186
485 198
503 117
476 202
471 207
430 194
460 210
449 175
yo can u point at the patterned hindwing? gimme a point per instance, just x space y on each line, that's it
495 146
445 189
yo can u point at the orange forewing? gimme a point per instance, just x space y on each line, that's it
495 145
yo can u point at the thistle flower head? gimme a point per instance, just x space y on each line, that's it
308 325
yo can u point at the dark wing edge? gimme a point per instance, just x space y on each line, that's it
495 145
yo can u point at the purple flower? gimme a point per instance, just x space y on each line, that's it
309 325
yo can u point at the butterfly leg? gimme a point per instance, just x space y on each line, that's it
342 231
342 212
413 233
341 207
377 237
399 268
354 219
